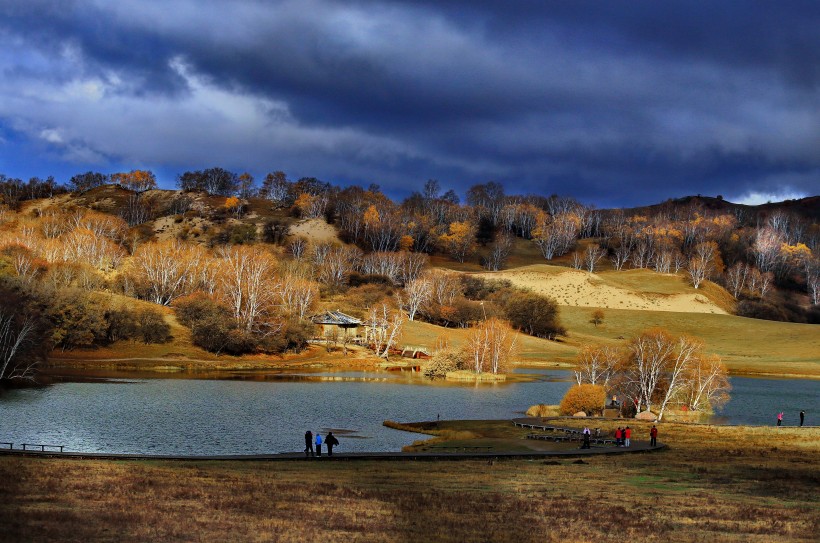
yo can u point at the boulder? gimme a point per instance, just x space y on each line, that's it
580 414
647 415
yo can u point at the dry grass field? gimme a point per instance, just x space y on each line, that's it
712 484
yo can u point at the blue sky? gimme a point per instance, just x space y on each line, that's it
615 103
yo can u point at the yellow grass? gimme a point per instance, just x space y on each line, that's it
746 345
730 484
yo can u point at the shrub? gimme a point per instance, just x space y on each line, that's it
760 310
587 398
531 313
476 288
542 410
444 361
153 327
122 324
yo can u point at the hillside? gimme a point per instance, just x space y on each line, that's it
632 298
630 289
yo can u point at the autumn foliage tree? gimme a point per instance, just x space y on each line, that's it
586 398
459 241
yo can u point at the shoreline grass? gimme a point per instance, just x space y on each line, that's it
713 484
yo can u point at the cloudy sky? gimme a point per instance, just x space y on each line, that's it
615 103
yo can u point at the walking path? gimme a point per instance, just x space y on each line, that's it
456 454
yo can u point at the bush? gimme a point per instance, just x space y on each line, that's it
587 398
476 288
76 319
293 336
153 327
531 313
444 361
542 410
122 324
760 310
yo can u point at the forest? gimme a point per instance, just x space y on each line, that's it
107 258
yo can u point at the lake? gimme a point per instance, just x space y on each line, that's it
240 416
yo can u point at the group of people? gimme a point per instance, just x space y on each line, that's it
330 441
780 418
623 436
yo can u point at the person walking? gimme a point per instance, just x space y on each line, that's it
802 417
586 439
780 418
330 442
618 436
627 436
308 443
653 436
318 444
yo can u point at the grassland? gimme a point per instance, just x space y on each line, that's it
712 484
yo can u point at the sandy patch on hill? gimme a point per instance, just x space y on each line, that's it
314 230
582 289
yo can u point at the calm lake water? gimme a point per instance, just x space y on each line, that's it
188 416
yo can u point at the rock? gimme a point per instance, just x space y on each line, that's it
647 415
580 414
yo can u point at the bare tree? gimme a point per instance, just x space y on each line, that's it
499 251
736 278
593 254
416 294
250 287
703 262
708 386
491 346
384 328
596 365
14 336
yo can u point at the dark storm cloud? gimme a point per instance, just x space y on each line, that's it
614 102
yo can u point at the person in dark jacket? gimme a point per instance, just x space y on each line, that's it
308 443
802 417
330 442
586 439
653 436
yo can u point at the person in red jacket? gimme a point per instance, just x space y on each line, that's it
627 435
618 436
653 436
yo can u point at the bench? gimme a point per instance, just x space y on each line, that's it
42 447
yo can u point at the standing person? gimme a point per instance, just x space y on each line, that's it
627 436
308 443
586 439
780 418
330 442
318 444
653 436
802 417
618 435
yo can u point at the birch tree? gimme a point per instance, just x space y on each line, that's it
596 365
250 287
416 294
15 334
491 346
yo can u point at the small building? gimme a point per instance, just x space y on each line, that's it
338 324
416 352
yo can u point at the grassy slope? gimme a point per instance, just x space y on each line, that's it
747 345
